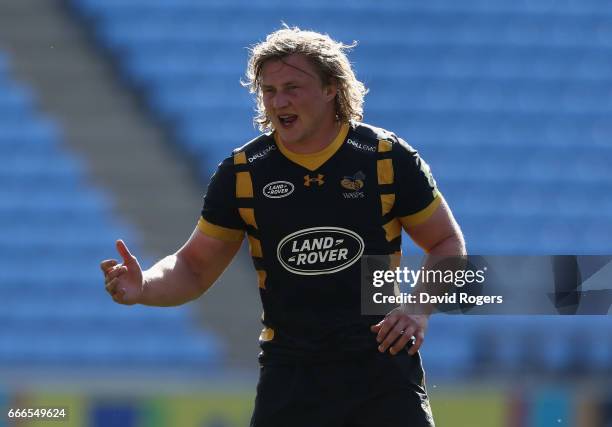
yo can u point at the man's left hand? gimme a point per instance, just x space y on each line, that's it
397 329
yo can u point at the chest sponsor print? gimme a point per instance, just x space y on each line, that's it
360 146
353 183
320 250
263 153
278 189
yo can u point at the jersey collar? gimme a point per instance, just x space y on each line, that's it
313 161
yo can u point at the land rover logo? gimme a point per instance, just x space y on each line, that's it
278 189
320 250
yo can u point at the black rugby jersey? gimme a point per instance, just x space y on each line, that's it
308 219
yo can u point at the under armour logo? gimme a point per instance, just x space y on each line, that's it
318 179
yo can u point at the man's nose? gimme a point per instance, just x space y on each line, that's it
280 101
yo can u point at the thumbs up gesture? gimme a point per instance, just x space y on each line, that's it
124 282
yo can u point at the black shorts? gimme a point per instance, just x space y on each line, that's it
373 390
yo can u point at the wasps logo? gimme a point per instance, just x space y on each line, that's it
353 183
315 179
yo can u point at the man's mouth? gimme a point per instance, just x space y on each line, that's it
287 119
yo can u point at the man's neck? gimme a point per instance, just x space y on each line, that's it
317 142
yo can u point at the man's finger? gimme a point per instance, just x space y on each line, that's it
116 271
392 336
385 326
124 252
119 296
420 337
111 286
404 338
107 264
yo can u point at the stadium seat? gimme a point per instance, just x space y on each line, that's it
507 101
55 228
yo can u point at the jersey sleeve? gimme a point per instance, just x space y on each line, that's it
220 218
417 195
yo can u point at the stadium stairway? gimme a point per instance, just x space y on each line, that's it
115 146
103 122
55 226
508 102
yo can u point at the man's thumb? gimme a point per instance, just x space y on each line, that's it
124 252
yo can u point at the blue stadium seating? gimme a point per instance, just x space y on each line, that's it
55 228
507 101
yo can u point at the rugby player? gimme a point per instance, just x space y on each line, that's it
316 191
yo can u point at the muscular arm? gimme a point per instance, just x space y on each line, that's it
176 279
439 235
187 274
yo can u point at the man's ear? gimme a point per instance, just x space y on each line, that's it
331 89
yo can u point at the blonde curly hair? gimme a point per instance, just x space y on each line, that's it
328 57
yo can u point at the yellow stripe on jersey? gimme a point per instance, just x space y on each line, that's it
267 334
393 229
313 161
244 185
396 260
384 146
248 216
261 280
218 232
387 202
422 216
255 247
240 158
384 169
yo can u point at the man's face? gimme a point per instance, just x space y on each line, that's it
300 108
